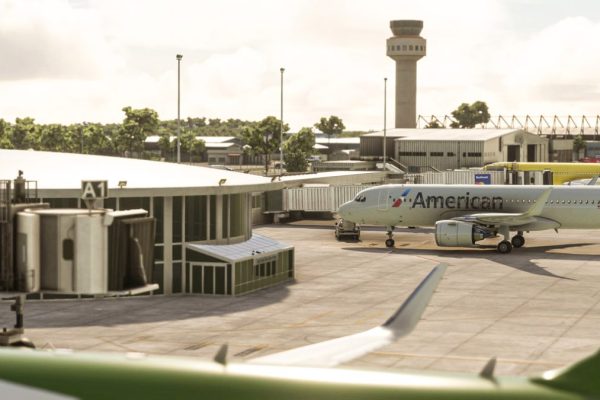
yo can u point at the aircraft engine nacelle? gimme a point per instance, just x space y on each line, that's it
450 233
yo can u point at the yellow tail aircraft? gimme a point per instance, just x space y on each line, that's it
561 172
303 373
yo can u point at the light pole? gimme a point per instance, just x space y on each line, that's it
179 57
384 122
281 127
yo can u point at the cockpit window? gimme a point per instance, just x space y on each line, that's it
360 198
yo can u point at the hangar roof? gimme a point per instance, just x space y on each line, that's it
445 134
335 140
219 145
206 139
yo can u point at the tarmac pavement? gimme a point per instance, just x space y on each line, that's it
535 309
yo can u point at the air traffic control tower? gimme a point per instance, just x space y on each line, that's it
406 47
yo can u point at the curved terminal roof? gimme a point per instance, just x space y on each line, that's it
60 175
65 171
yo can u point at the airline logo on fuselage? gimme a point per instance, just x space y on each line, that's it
459 202
398 202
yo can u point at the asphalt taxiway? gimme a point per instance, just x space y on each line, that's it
535 309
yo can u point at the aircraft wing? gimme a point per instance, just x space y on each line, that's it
336 351
511 219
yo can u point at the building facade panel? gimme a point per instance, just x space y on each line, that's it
441 155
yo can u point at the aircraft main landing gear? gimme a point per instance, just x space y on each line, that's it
390 241
504 247
518 240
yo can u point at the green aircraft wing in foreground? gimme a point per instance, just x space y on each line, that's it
303 373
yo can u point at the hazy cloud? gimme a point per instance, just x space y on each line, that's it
50 39
68 61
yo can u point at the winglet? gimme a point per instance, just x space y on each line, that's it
406 317
336 351
539 205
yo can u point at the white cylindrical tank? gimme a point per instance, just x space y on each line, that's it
28 252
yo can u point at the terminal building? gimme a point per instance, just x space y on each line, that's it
203 216
204 242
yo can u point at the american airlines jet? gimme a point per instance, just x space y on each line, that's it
465 214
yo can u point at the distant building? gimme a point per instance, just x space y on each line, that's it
421 150
335 149
219 150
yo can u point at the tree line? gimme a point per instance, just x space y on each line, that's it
259 138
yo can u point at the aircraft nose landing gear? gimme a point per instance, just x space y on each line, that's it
504 247
390 241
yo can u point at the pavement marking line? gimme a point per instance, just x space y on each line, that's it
466 358
306 321
250 350
197 346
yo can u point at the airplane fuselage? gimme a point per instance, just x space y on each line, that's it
424 205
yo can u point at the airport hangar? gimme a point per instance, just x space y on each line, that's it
204 216
420 150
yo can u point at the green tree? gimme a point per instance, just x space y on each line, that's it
297 148
330 126
165 144
5 135
263 138
93 138
137 125
196 122
578 145
191 144
56 137
469 116
26 134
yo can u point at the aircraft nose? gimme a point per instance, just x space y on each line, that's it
344 211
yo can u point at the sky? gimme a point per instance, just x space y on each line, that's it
67 61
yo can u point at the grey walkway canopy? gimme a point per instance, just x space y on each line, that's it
257 246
